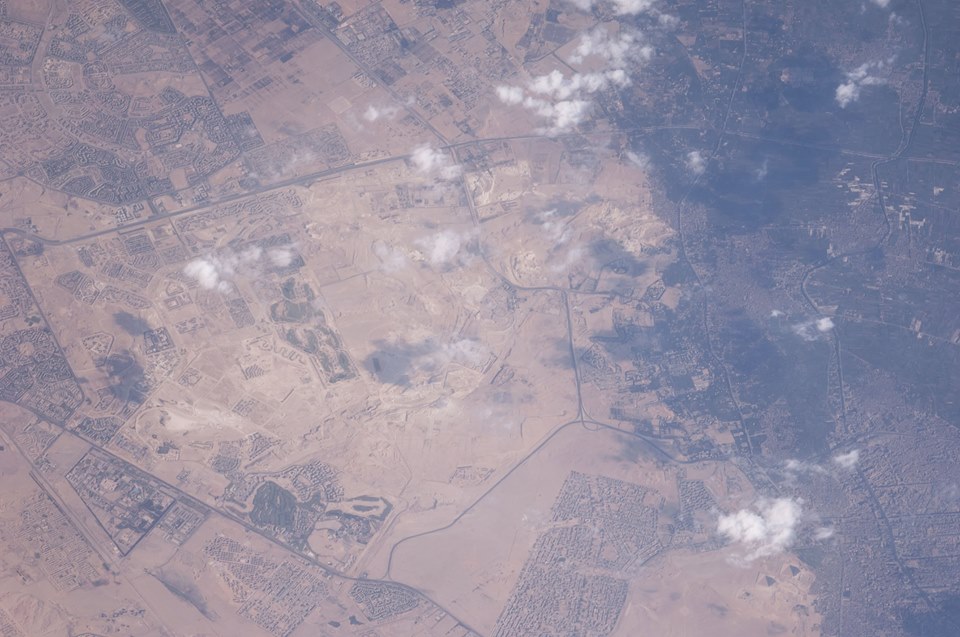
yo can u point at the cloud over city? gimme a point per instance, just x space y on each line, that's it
564 101
378 112
430 161
615 49
640 160
793 465
620 7
561 100
696 163
218 271
847 460
813 329
768 528
392 258
445 248
864 75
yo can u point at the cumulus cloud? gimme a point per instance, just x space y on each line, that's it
510 95
559 99
555 228
376 113
847 93
292 163
629 7
467 352
847 460
621 7
281 257
823 533
640 160
864 75
218 271
883 4
633 7
617 50
761 173
696 163
209 273
554 84
430 356
430 161
391 258
565 101
799 466
812 330
443 248
575 254
215 272
769 528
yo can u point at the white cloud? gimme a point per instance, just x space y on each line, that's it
391 259
883 4
573 255
430 161
629 7
555 85
431 356
375 113
442 248
847 460
617 50
761 173
849 91
812 329
561 100
622 7
557 231
218 271
467 352
842 460
823 533
209 273
640 160
768 529
666 20
565 101
281 256
510 95
799 466
291 164
632 7
696 162
776 313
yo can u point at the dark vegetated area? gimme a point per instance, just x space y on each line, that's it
274 506
791 370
